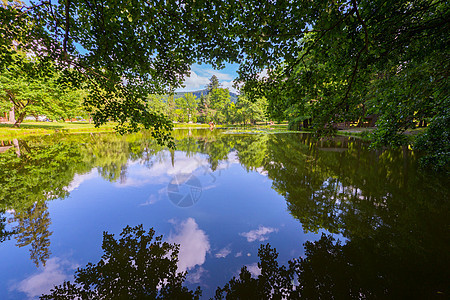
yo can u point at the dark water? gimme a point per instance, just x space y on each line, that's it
220 196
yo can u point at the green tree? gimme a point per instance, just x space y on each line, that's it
33 229
219 99
34 87
213 84
136 266
159 104
205 111
353 62
187 106
191 105
352 57
27 86
251 111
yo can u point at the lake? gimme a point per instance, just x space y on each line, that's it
360 223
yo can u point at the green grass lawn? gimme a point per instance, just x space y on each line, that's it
192 125
27 128
37 128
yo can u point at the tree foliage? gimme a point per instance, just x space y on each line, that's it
187 108
332 60
33 87
136 266
345 61
33 229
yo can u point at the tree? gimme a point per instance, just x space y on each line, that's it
213 84
214 105
356 59
346 59
219 99
159 104
204 109
136 266
230 113
34 87
187 106
251 111
191 106
5 234
26 86
33 229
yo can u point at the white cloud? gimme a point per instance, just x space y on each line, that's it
162 170
187 165
195 277
229 85
223 252
79 179
239 254
260 234
195 82
220 75
254 269
194 244
54 273
209 72
152 199
199 79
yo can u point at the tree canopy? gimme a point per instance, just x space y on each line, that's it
333 61
33 87
136 266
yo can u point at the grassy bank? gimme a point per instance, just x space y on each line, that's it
359 132
7 131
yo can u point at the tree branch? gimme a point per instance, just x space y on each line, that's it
31 8
316 41
366 34
66 34
355 70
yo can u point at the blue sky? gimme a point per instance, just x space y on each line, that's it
200 75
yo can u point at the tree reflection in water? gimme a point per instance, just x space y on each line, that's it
394 218
138 265
141 266
32 229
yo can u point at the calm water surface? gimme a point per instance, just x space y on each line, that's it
220 196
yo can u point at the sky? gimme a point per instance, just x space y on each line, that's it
200 75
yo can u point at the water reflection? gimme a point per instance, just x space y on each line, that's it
392 217
32 229
136 266
261 234
55 271
194 244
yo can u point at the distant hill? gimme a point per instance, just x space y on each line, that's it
205 92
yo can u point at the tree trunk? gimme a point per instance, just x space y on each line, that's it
306 123
17 147
12 116
19 119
